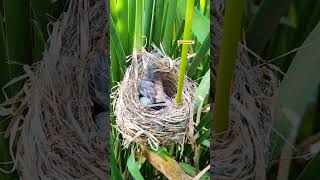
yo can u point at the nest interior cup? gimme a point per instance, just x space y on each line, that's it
150 126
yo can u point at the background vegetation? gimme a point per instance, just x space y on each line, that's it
282 27
23 34
163 24
287 34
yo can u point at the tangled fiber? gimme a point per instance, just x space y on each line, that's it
146 125
243 151
53 132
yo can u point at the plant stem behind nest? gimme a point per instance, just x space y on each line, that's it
185 47
138 33
227 61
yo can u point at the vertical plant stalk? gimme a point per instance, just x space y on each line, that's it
5 68
168 25
138 41
227 61
122 25
151 4
159 11
132 19
185 47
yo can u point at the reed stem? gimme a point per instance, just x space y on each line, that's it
138 40
185 48
228 53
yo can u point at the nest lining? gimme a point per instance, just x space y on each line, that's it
145 125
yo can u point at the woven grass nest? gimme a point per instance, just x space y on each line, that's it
147 125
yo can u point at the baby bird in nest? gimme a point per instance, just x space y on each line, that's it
151 91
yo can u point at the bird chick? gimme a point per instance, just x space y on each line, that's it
147 89
145 101
152 94
149 74
151 91
161 96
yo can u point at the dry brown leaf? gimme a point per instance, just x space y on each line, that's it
169 167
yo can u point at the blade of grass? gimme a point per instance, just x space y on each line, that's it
133 168
265 22
122 24
205 64
115 173
200 56
187 168
40 10
5 72
178 37
279 44
119 52
38 42
113 11
185 48
203 88
315 16
203 137
201 93
303 9
168 29
202 5
138 31
18 32
148 19
149 29
201 25
132 20
204 122
3 46
158 22
207 8
114 69
311 170
229 48
292 99
197 3
164 20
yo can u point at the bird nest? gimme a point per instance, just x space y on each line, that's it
54 130
159 123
